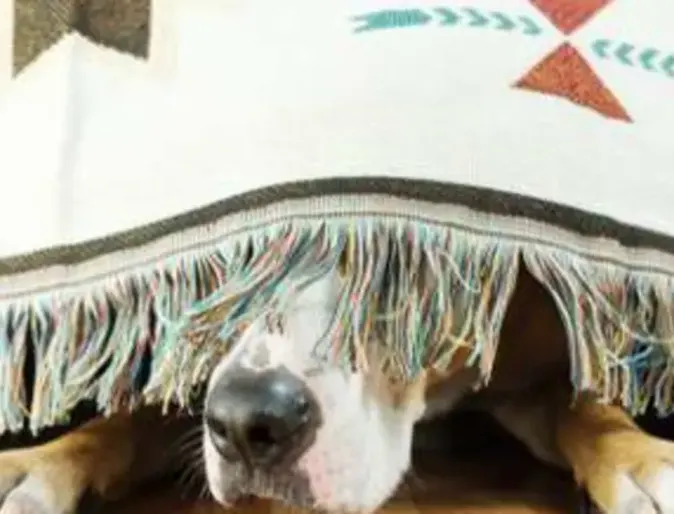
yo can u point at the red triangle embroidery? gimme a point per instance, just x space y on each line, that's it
566 74
569 15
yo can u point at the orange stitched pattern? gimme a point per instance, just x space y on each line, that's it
565 73
569 15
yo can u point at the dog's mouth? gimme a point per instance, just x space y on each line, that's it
290 487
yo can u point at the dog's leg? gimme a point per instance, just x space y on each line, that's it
624 469
106 457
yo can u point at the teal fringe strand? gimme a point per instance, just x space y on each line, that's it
427 290
469 280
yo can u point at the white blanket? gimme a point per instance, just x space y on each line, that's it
568 102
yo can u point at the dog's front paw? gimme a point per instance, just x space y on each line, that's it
40 480
633 473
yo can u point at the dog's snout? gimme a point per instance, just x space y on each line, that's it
261 418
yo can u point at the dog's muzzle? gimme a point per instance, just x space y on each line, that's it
261 419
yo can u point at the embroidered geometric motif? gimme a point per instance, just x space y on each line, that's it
565 73
569 15
120 24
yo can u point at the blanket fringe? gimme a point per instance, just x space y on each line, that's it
620 327
423 291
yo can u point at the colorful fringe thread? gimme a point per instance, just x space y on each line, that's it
620 326
427 290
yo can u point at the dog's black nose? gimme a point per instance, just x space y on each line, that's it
262 418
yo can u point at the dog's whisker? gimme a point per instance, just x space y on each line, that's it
204 493
196 483
192 475
188 452
186 445
189 446
188 442
193 432
190 455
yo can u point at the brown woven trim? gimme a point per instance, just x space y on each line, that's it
478 199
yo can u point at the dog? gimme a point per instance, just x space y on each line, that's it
278 423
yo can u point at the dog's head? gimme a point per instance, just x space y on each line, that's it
280 423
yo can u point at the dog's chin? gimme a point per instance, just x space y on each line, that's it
235 484
321 481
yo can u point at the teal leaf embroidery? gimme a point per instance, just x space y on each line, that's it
446 17
649 59
476 19
668 66
623 53
503 22
530 27
392 19
600 48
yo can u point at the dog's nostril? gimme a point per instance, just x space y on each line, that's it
302 406
261 436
